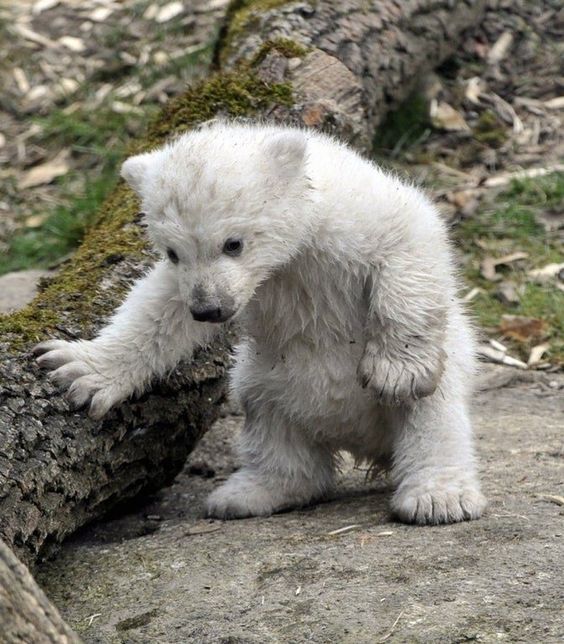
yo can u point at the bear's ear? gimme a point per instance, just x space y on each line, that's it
134 170
286 152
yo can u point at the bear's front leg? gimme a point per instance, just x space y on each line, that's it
403 357
401 374
149 334
282 469
434 469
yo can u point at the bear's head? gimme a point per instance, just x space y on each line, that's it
228 205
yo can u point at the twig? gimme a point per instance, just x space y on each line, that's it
390 632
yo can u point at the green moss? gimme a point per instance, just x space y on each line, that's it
243 16
284 46
239 93
75 292
489 130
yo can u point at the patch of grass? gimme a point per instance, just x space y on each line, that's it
99 137
62 230
87 130
508 225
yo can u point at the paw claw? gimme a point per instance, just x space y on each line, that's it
436 503
47 345
84 372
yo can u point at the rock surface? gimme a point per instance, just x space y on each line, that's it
163 574
18 288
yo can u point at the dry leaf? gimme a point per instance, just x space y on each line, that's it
487 269
125 108
553 498
537 353
521 328
466 201
531 173
473 293
46 172
151 12
555 103
35 221
499 357
160 58
506 293
43 5
546 273
445 117
67 86
475 86
37 92
21 80
500 48
33 36
2 140
498 346
72 43
489 264
506 112
100 14
169 11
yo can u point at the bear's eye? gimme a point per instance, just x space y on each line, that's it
233 247
172 255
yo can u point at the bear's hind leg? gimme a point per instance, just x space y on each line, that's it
433 463
282 468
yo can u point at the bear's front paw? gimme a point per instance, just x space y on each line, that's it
396 380
444 499
73 365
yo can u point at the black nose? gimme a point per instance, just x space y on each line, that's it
207 314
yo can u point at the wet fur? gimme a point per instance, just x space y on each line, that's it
353 337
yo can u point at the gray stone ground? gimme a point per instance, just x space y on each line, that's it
18 288
163 574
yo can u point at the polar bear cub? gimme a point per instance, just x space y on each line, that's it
352 334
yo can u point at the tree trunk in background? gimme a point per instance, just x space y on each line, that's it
364 57
335 65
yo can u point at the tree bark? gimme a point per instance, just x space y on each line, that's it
337 65
363 58
26 615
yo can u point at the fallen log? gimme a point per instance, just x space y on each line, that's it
335 65
26 615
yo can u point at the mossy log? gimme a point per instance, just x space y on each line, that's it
337 65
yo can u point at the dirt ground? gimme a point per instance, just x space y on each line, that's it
162 573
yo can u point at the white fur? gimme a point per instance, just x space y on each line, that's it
353 336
